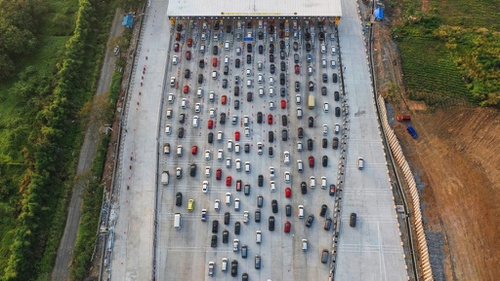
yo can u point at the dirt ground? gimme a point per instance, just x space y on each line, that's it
456 162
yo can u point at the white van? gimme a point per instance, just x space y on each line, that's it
224 264
361 163
304 245
312 182
258 236
177 221
301 211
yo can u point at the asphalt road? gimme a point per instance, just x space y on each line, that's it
62 267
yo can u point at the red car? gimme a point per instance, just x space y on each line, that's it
288 192
237 135
229 180
194 150
238 185
311 161
224 99
283 104
190 42
270 119
214 62
218 174
177 36
288 225
188 55
210 124
186 89
176 47
297 69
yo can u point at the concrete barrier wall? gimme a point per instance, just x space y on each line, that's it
412 190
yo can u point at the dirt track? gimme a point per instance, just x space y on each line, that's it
456 160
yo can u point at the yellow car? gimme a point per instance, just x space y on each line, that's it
191 204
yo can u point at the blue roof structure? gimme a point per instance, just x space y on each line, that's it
128 21
379 14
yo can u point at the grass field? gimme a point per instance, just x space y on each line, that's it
451 51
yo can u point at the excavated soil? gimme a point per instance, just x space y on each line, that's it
456 162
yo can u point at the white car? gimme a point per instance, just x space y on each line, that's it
238 164
247 132
228 162
249 72
299 146
197 107
211 96
220 154
204 188
220 135
196 121
271 105
207 155
236 245
286 157
246 216
337 128
298 99
272 185
323 182
171 98
299 112
272 173
286 177
246 120
207 171
312 182
168 129
175 60
214 74
237 148
247 167
325 129
217 205
212 113
260 149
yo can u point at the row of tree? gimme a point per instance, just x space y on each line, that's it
46 172
19 24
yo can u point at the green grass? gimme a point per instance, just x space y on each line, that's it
466 13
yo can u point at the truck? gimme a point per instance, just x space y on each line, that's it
412 132
310 102
404 117
165 177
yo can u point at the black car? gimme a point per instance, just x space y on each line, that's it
260 201
234 268
310 122
225 236
337 111
284 120
283 92
236 91
213 244
210 137
259 117
180 132
260 180
178 199
257 215
222 118
182 118
249 48
288 210
352 220
246 189
336 96
261 49
335 143
282 79
282 55
309 144
200 78
271 137
271 223
334 77
324 143
297 86
282 44
187 73
274 205
324 160
237 228
311 86
283 66
270 151
249 96
308 45
322 212
244 277
236 104
215 226
303 187
192 170
295 46
215 50
323 91
310 220
201 64
237 63
284 135
271 48
272 68
226 70
247 148
227 216
331 192
260 35
249 59
271 58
